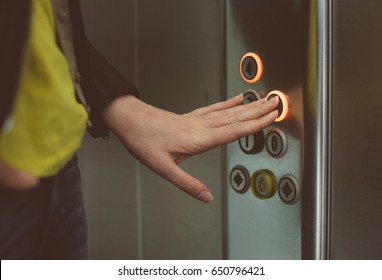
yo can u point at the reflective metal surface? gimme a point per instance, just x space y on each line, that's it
266 228
356 220
317 104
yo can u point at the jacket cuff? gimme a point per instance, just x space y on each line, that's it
103 85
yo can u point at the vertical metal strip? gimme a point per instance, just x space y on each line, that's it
224 95
328 160
316 131
138 166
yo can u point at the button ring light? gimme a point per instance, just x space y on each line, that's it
251 67
283 107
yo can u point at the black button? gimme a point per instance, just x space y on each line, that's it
251 96
252 144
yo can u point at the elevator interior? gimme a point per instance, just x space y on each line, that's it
315 190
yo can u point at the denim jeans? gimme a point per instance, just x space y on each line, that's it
47 222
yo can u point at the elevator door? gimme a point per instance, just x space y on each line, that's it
356 225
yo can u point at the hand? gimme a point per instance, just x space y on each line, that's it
15 179
161 139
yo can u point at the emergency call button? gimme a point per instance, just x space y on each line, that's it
251 67
239 179
263 184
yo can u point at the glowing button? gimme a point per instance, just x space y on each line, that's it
283 106
251 67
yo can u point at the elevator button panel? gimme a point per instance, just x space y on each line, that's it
263 184
276 143
240 179
251 67
261 66
289 189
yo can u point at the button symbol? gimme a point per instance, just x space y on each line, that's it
287 189
248 69
274 143
238 179
262 185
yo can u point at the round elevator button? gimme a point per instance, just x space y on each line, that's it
276 143
251 67
289 189
239 179
251 96
283 106
263 184
252 144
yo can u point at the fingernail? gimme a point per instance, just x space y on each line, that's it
206 197
275 99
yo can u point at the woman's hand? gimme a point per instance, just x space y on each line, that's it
15 179
161 139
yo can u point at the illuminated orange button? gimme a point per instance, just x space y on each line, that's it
283 106
251 67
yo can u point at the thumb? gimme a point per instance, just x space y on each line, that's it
177 176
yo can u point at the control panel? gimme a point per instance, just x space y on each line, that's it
273 141
264 169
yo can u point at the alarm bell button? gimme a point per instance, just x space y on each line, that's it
263 184
283 106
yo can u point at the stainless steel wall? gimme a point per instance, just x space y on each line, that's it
356 220
171 51
109 174
266 228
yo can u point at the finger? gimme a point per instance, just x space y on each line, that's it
174 174
229 133
248 112
232 102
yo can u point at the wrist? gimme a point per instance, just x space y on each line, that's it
119 108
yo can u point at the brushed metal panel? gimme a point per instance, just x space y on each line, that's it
357 135
266 229
179 70
108 171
